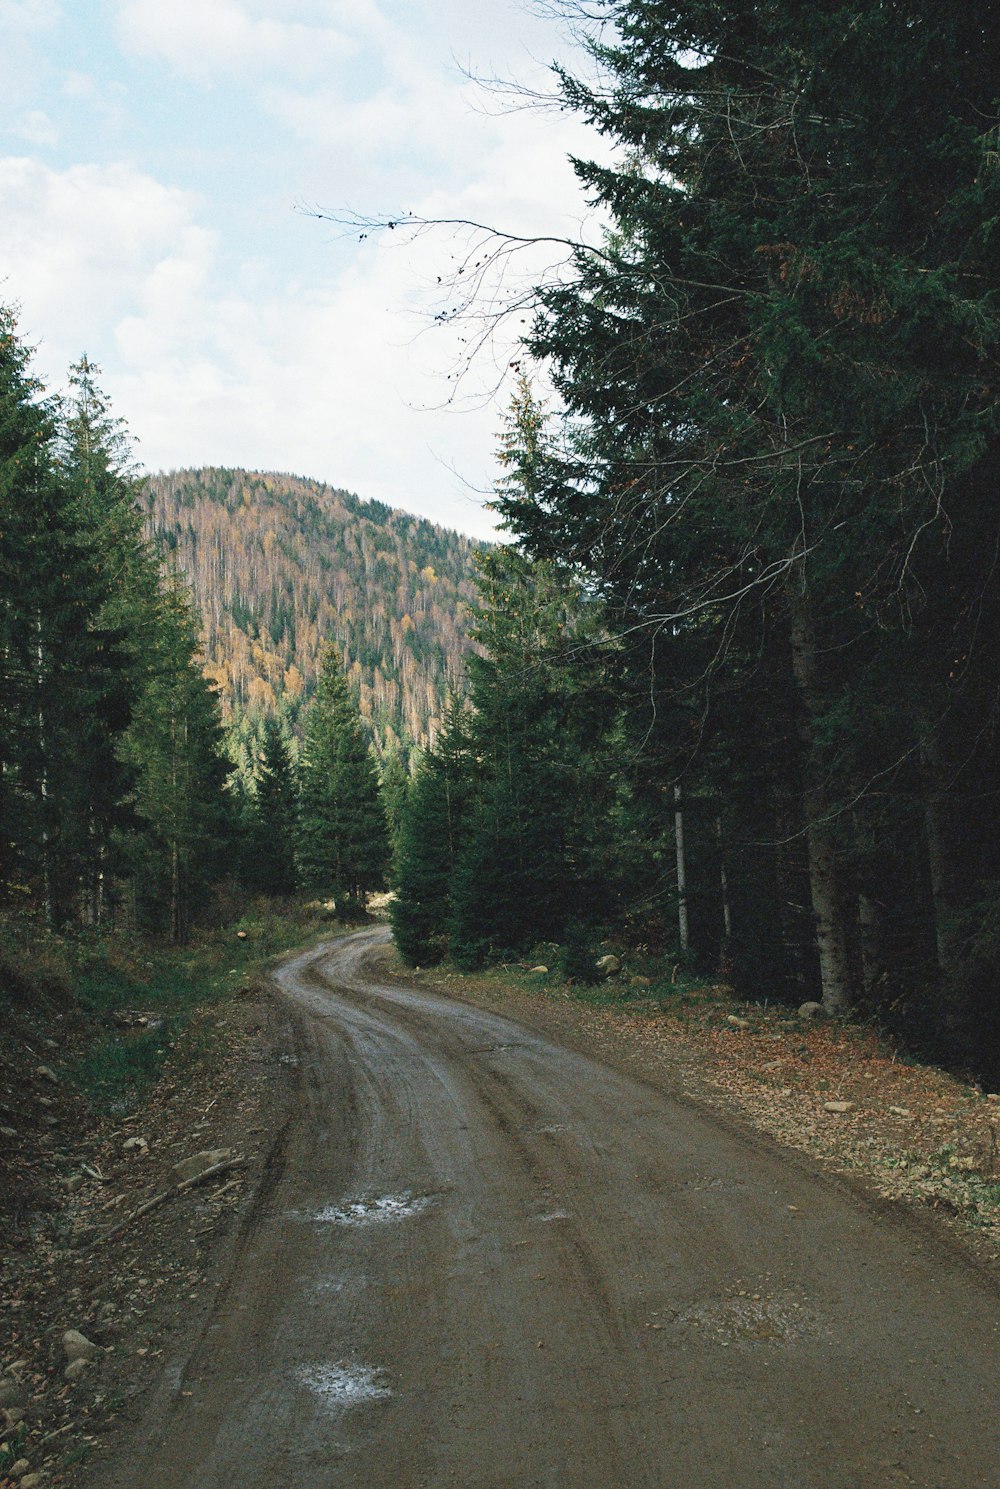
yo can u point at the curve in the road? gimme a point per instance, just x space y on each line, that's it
492 1263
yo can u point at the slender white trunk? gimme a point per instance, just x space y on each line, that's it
682 903
727 914
43 781
829 901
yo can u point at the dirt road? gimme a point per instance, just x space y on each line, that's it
486 1261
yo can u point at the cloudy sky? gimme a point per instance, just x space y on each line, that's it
155 160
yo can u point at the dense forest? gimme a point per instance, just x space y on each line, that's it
279 565
112 766
122 802
740 681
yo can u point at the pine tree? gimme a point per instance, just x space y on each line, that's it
65 694
432 830
343 837
273 818
174 744
781 419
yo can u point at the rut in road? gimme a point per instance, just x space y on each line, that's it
487 1261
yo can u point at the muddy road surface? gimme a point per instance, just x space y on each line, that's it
483 1260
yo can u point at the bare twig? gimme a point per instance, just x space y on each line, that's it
171 1193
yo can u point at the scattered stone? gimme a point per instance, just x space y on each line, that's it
11 1394
838 1106
12 1131
190 1168
811 1011
44 1101
900 1111
19 1469
74 1182
46 1073
966 1164
17 1368
77 1346
135 1145
993 1096
32 1481
11 1415
51 1044
608 966
637 980
76 1368
241 935
736 1022
538 969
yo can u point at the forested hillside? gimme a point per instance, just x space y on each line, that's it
279 565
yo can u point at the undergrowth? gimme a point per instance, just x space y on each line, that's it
139 1006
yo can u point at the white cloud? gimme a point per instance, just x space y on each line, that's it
36 128
210 367
28 15
205 38
217 350
78 246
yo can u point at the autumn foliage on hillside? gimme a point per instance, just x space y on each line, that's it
280 565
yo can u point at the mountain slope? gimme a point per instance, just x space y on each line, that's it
279 564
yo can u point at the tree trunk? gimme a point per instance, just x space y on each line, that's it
943 839
829 899
682 903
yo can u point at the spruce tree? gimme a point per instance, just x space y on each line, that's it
432 830
273 818
343 837
782 426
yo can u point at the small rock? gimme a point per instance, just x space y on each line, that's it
16 1368
11 1415
76 1368
190 1168
12 1131
44 1101
135 1145
241 935
46 1073
900 1111
77 1346
811 1011
51 1044
32 1481
838 1106
993 1096
637 980
48 1120
737 1022
966 1164
608 966
74 1182
11 1394
538 969
19 1469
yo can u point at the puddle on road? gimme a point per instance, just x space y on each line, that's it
345 1383
386 1209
